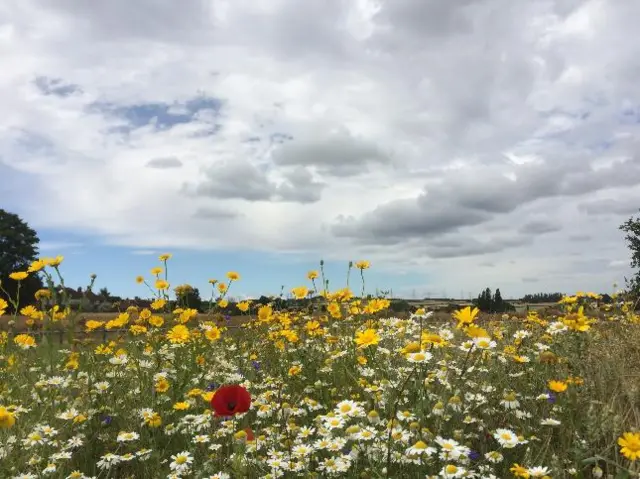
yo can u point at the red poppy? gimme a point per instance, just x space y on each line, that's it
230 400
250 435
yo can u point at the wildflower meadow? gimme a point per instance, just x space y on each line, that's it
337 388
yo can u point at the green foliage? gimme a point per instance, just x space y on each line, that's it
632 229
542 298
492 304
18 248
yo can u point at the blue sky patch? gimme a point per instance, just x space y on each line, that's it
162 115
55 86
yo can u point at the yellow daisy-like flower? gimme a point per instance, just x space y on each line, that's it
25 341
161 284
179 334
3 306
465 316
366 338
363 265
630 445
312 275
165 257
300 292
233 276
19 275
557 386
7 419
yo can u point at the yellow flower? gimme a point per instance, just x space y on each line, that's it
465 316
243 306
161 284
93 324
42 294
629 443
162 385
19 275
36 266
368 337
139 279
158 304
312 275
165 257
187 315
213 333
156 321
25 341
181 406
156 271
295 370
57 261
363 265
519 471
233 276
474 331
179 334
265 313
213 281
223 303
300 292
153 420
334 310
7 419
222 287
557 386
3 306
137 329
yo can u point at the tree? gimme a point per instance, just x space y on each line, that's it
492 304
632 229
104 294
18 249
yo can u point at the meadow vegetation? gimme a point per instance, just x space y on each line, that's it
344 390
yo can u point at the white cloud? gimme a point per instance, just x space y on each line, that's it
430 134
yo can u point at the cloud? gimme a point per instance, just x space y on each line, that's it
334 154
242 180
609 206
438 136
538 227
215 213
164 163
55 86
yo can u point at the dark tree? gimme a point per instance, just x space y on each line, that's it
189 297
542 298
104 294
492 304
18 248
632 229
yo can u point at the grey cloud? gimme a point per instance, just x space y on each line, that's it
402 219
159 20
338 154
468 199
459 246
243 180
538 227
580 238
530 280
609 206
164 163
215 213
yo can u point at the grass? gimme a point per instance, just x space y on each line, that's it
353 393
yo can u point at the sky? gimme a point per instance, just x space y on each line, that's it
455 145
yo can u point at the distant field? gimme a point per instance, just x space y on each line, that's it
238 320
